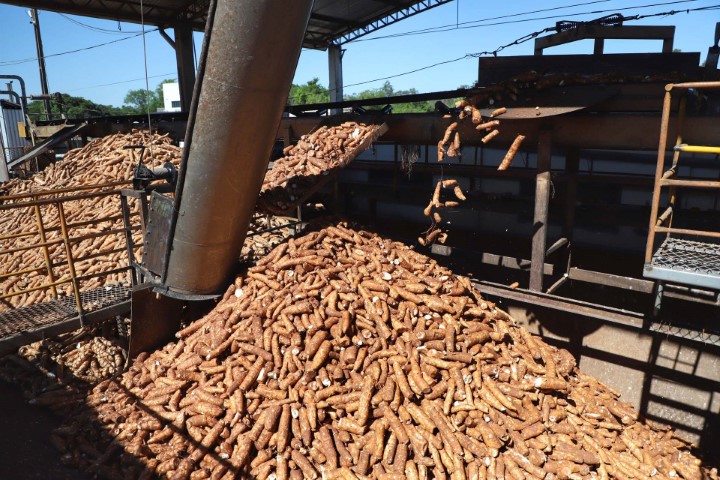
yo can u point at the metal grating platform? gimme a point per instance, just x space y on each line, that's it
686 262
38 320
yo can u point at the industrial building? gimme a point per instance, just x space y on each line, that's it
296 308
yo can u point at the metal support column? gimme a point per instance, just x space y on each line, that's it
572 165
35 20
542 200
185 63
335 54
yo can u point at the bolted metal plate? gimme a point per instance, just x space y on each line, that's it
154 319
157 233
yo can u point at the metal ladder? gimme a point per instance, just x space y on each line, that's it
681 261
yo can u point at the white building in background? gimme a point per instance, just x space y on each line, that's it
171 95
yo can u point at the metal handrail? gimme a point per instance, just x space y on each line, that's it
687 85
41 193
65 239
51 201
662 177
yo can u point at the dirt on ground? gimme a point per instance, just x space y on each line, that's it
25 449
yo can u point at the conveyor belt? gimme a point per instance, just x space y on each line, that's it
686 262
27 324
66 133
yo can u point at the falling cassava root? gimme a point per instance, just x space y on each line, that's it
342 354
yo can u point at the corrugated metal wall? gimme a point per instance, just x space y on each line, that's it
12 142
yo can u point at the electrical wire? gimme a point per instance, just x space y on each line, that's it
147 83
457 24
471 24
120 82
98 29
524 39
28 60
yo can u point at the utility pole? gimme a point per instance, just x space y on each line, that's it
35 20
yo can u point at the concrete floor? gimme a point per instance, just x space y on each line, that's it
25 449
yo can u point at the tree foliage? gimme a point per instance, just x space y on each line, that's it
73 107
311 92
138 100
314 92
387 90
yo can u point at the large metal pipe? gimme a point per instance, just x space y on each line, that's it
250 62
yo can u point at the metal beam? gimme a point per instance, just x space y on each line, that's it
542 204
185 63
335 54
394 17
335 20
609 280
579 130
343 30
601 32
119 10
539 299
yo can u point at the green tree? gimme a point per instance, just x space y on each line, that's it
387 90
311 92
138 100
314 92
73 107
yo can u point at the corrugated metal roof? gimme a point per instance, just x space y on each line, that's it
331 21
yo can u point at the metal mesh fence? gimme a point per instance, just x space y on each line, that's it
688 255
44 314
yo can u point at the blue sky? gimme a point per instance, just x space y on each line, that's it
106 73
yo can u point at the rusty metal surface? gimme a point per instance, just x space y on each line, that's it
157 230
153 319
586 130
241 100
554 101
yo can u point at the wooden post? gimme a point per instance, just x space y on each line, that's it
542 200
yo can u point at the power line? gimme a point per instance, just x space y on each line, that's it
28 60
456 25
120 82
98 29
471 24
524 39
411 71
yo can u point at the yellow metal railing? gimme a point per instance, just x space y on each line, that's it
54 202
662 223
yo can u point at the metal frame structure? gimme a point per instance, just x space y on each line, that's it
682 261
600 33
20 323
394 17
326 25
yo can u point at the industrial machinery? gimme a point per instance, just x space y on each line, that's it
195 224
193 239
